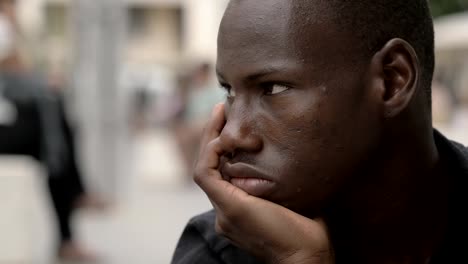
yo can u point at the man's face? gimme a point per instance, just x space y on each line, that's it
298 114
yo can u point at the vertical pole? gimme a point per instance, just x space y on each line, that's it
99 36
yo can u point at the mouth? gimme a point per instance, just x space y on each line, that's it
248 179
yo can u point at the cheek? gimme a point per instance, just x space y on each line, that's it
293 127
295 144
291 115
305 148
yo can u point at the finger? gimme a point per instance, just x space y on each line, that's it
206 170
214 125
209 156
208 177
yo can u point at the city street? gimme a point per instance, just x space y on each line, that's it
131 72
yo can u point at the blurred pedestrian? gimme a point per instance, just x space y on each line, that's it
33 122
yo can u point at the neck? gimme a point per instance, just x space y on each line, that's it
396 212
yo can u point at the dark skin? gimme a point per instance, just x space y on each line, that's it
335 146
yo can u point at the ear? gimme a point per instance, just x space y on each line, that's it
396 71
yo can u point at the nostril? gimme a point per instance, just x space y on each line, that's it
229 155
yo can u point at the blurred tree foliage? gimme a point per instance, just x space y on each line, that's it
445 7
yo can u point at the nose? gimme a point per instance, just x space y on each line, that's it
240 133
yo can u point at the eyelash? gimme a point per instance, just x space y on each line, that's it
226 88
267 89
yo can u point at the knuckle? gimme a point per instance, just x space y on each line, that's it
197 170
219 229
199 174
211 145
223 226
197 179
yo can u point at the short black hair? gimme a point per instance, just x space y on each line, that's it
375 22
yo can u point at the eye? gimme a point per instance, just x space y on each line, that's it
272 89
230 93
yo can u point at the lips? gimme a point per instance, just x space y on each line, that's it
248 179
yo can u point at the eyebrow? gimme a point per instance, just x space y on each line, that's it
257 75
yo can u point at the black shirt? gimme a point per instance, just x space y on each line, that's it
200 244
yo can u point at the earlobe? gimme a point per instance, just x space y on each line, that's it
399 70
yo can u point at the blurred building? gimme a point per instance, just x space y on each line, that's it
108 49
164 32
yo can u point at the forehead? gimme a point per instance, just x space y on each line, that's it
255 34
247 25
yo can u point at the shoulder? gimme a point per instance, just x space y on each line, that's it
456 152
200 243
461 155
455 156
462 149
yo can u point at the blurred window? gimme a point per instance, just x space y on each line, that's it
56 19
139 21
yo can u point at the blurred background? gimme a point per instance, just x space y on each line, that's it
101 107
